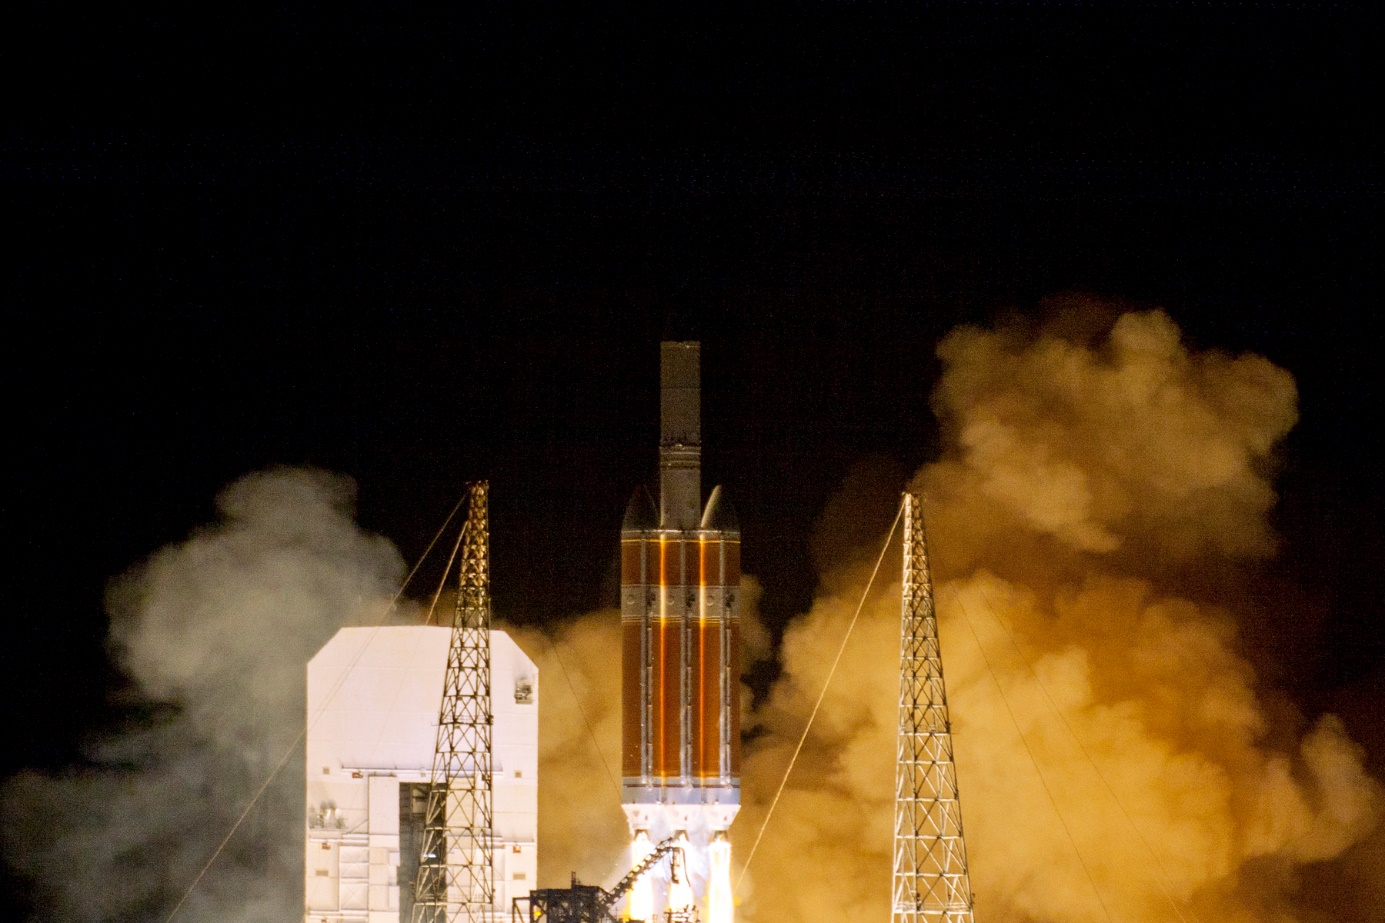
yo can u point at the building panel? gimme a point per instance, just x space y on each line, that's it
373 701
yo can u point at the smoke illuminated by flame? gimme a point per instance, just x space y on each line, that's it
1100 487
1095 516
1099 504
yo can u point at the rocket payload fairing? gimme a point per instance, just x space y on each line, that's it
679 607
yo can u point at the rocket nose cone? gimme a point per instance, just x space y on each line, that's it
720 515
640 514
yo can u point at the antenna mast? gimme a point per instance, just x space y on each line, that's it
456 875
931 884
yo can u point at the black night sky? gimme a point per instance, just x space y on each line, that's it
419 248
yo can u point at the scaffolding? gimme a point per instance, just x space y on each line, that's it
930 883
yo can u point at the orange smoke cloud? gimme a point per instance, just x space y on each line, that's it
582 828
1117 760
1111 746
1130 440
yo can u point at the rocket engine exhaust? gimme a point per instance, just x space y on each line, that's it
721 907
641 904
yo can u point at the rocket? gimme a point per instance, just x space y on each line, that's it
680 627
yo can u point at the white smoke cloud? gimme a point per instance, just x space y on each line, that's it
216 630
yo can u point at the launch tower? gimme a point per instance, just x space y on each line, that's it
456 872
422 762
931 884
681 660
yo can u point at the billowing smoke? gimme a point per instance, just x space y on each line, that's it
581 827
1116 757
214 632
1099 507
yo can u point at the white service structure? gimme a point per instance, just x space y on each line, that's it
373 701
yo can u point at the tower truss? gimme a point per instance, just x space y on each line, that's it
931 884
456 875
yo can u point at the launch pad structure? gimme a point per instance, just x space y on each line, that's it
931 883
680 751
593 904
456 871
381 735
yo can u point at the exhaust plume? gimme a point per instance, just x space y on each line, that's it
214 633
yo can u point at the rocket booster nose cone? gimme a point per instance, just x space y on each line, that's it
720 515
640 514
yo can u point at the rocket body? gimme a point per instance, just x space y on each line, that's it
681 669
680 623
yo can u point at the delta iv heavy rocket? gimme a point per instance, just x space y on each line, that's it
681 658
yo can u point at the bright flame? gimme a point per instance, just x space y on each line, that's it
720 907
680 892
641 904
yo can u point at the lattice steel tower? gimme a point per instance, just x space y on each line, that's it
456 875
931 884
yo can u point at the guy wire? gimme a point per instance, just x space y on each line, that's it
822 695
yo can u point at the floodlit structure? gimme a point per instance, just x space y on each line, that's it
422 742
594 904
373 706
680 606
456 871
930 882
